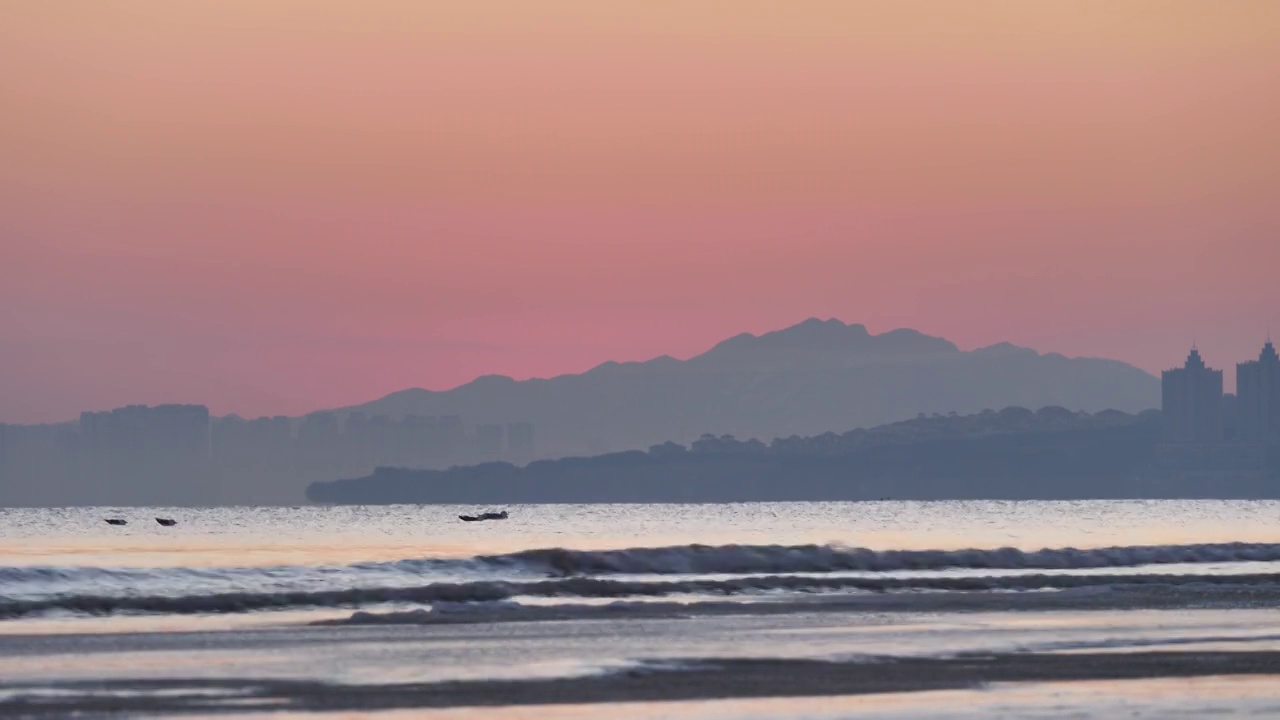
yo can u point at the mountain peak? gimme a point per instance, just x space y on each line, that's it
814 323
821 341
1006 348
814 328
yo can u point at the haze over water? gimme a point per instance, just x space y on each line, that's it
325 535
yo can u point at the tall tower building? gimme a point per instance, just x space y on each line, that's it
520 442
1192 402
1258 398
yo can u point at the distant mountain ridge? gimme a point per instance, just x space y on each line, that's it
806 379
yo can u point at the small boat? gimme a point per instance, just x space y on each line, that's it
167 522
116 521
484 516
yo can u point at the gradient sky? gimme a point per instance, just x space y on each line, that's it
276 206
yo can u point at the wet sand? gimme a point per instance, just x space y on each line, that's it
686 680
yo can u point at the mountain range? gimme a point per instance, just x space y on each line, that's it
807 379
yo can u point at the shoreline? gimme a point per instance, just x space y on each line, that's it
704 679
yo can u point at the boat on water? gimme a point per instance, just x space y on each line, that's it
484 516
167 522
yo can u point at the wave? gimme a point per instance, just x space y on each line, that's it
1153 595
59 573
746 559
35 583
600 588
687 560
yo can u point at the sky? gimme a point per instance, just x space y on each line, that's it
276 206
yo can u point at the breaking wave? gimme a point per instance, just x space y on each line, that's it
672 560
615 574
743 559
436 594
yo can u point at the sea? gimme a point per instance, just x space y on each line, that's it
757 610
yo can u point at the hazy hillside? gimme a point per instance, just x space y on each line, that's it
804 380
1011 454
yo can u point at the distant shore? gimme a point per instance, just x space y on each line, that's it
1012 455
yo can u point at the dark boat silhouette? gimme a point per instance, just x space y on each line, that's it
484 516
167 522
116 521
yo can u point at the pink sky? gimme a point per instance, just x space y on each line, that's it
272 207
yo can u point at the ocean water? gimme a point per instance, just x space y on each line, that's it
270 609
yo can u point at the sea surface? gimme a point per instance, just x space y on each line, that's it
714 610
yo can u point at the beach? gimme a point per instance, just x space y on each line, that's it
855 608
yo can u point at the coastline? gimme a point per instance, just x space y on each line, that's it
703 679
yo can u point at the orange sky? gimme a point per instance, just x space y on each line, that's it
277 206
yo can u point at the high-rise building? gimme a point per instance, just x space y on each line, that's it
1258 398
318 449
520 442
145 454
1192 402
357 441
487 444
177 436
416 438
271 442
37 464
454 434
382 438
